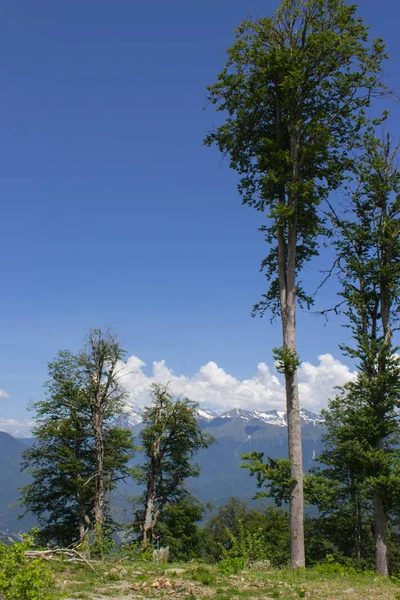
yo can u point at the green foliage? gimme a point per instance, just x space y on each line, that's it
336 534
63 461
363 433
102 545
257 536
203 575
247 544
217 531
178 528
285 77
331 567
287 360
273 475
231 565
171 437
22 578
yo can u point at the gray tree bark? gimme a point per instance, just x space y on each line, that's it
288 298
380 535
99 450
288 315
380 518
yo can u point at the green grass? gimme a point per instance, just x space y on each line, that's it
147 580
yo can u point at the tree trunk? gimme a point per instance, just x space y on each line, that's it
297 554
288 315
82 531
358 527
100 491
84 522
380 534
380 521
148 524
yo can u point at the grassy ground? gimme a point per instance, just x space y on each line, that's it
140 580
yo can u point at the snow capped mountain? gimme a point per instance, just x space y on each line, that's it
206 415
133 416
246 415
272 417
310 417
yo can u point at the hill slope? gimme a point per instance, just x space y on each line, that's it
11 478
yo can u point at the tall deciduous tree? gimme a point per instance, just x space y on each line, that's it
61 461
80 452
294 89
105 398
363 422
170 439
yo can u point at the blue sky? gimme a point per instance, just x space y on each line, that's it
113 213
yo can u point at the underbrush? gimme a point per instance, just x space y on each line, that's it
22 578
233 577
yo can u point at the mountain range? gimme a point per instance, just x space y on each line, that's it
236 431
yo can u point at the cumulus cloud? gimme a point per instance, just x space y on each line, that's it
212 387
317 383
3 393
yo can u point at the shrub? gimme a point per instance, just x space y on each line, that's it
331 567
232 565
22 578
203 575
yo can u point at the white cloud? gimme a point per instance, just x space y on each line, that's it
317 383
214 388
3 393
15 427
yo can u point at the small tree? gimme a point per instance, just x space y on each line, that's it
294 91
79 453
170 439
178 528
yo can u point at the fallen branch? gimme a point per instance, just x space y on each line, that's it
122 559
73 554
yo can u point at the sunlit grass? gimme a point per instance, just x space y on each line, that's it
148 580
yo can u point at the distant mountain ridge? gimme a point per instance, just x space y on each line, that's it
133 416
237 431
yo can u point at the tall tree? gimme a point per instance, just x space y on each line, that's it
294 89
80 452
363 422
61 461
170 439
105 398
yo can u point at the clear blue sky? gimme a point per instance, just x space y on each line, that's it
113 213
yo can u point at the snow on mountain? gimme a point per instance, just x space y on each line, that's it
246 415
310 417
132 415
206 415
272 417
